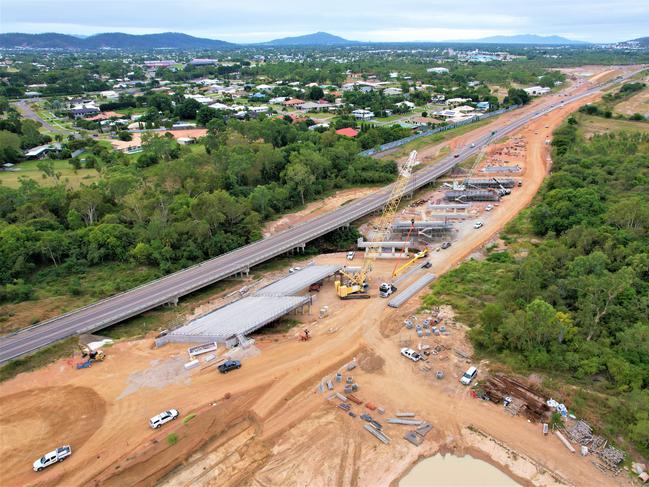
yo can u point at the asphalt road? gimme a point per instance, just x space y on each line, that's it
130 303
26 111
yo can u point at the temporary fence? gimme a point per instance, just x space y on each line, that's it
426 133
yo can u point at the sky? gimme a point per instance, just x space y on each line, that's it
363 20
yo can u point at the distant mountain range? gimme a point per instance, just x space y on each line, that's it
642 41
317 39
527 39
115 40
174 40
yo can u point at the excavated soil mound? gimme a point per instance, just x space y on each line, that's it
369 361
39 420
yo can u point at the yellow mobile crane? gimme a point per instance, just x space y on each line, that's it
356 285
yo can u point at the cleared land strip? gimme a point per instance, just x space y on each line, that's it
169 288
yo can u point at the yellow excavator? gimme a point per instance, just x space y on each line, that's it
90 354
354 285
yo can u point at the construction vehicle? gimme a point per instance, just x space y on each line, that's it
52 457
92 355
387 288
355 285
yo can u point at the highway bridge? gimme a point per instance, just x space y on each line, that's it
170 288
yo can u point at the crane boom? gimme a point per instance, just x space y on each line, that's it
357 282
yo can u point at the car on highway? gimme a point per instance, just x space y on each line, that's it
163 418
446 245
294 269
456 155
477 225
52 457
229 365
411 354
350 255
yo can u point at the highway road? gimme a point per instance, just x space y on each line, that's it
168 289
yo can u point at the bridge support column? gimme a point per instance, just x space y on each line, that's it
173 301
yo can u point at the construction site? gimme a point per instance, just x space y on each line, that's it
332 399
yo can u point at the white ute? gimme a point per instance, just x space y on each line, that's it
52 457
162 418
477 225
411 354
468 376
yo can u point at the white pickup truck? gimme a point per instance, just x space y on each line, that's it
52 457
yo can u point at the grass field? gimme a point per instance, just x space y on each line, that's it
436 138
29 169
638 103
590 125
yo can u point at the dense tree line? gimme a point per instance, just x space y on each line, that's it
170 207
578 304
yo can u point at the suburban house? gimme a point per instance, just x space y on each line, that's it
106 116
362 114
437 70
84 109
347 132
453 102
220 106
536 90
43 151
278 100
405 104
294 102
464 109
392 91
110 94
260 109
423 121
205 100
482 105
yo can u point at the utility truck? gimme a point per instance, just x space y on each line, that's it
52 457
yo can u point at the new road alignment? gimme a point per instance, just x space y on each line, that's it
168 289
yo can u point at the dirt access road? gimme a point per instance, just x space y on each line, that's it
264 424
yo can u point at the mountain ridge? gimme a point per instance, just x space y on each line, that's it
526 39
111 40
315 39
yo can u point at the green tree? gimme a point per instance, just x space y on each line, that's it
299 177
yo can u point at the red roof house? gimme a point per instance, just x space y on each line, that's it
347 132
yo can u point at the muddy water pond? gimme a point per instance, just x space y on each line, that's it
451 471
